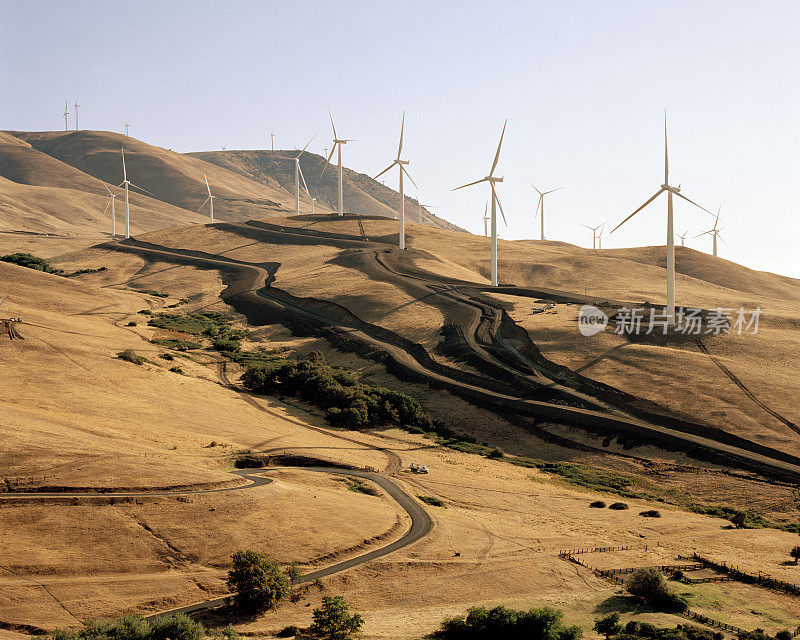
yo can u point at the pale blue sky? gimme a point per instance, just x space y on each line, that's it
583 84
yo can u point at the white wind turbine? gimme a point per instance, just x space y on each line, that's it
401 165
66 116
713 232
683 237
540 205
671 191
209 199
111 203
76 115
127 124
595 235
486 219
337 144
298 173
492 179
126 183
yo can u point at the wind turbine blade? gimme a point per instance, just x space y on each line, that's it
384 171
140 189
106 186
303 178
693 202
108 204
666 152
203 205
534 186
207 187
402 128
717 220
500 144
408 175
587 226
469 184
124 170
485 209
333 126
306 147
538 204
499 204
705 233
658 193
552 190
328 161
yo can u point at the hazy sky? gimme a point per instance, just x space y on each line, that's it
583 84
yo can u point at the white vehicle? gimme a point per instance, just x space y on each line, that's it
419 468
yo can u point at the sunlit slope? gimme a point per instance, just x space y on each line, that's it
362 194
683 380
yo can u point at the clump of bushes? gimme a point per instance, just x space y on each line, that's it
176 370
496 453
134 627
31 262
132 323
360 487
636 629
649 586
166 356
650 513
332 619
212 325
257 582
150 292
433 501
598 504
500 622
81 272
226 344
177 344
618 506
129 355
347 401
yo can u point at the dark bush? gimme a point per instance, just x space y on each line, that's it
509 624
495 454
174 343
176 370
598 504
608 626
618 506
134 627
129 355
649 586
333 619
226 344
651 513
257 582
132 323
431 500
166 356
30 261
288 632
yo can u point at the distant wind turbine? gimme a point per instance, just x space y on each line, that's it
66 116
298 173
76 115
492 179
127 124
683 237
126 183
540 205
401 165
594 232
112 203
272 137
671 191
714 232
209 199
337 145
420 206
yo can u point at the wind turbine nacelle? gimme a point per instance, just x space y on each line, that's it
493 179
398 161
667 187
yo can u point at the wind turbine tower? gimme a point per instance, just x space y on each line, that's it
66 116
112 203
298 173
127 124
671 192
401 165
209 199
713 232
76 115
540 205
127 183
595 235
337 146
492 179
683 237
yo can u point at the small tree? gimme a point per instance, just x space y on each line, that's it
795 553
608 626
739 519
332 620
257 581
648 585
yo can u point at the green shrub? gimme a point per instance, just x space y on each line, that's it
226 344
150 292
608 626
129 355
31 262
176 370
257 582
288 632
434 502
499 622
177 344
649 586
166 356
134 627
618 506
132 323
333 620
598 504
650 513
496 453
359 487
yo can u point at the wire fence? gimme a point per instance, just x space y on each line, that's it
732 572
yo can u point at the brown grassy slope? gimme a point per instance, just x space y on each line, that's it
362 194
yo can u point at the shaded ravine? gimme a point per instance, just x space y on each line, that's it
249 292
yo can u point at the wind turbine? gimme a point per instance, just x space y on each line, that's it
539 206
76 114
492 179
112 203
209 199
683 237
337 145
126 183
486 220
401 165
66 116
298 173
420 207
714 232
671 191
127 124
594 232
272 138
